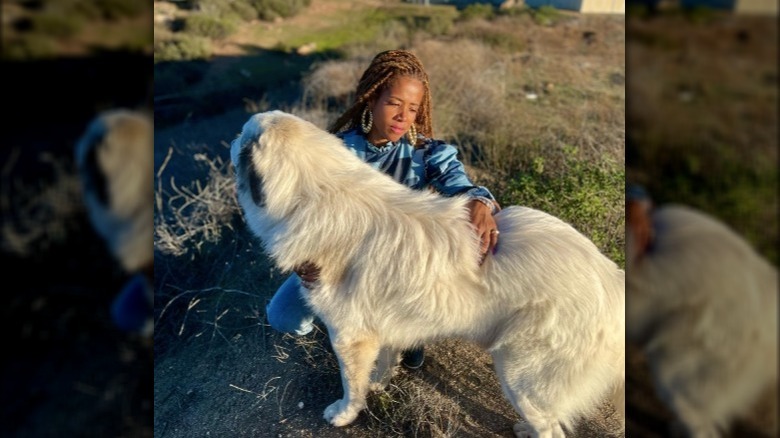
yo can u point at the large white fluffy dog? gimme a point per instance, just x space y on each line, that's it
400 267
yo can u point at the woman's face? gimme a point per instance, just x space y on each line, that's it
395 110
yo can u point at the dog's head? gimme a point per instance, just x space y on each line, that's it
280 159
114 158
246 151
274 160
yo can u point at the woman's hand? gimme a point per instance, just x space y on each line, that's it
309 273
485 227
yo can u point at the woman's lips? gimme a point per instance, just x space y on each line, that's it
397 130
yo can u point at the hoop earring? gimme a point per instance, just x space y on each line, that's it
366 125
412 134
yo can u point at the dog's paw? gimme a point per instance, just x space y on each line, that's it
526 430
340 413
376 386
380 380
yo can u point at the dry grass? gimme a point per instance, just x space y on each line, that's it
709 91
703 117
505 108
188 217
38 215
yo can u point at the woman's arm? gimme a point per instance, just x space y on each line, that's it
448 176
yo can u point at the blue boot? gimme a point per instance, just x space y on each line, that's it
413 359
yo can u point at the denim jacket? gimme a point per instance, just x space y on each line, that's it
434 165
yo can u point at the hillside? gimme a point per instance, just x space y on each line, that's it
220 369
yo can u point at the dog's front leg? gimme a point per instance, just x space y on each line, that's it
356 359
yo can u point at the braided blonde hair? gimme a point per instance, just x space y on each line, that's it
385 68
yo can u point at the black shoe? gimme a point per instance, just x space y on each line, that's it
413 359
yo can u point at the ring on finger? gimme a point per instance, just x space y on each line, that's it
496 232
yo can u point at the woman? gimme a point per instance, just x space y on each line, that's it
389 126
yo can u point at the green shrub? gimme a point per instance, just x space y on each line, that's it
700 14
546 15
109 9
434 24
209 26
477 10
515 11
271 9
493 37
182 48
439 24
115 9
588 196
31 46
242 10
57 25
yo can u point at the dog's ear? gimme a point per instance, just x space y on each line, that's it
249 178
93 177
250 133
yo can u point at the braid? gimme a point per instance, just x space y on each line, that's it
383 70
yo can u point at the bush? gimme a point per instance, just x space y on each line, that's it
269 10
182 48
241 10
31 46
439 25
110 9
434 24
477 10
585 196
546 15
57 25
516 11
209 26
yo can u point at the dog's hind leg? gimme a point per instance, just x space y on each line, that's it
356 359
538 424
385 364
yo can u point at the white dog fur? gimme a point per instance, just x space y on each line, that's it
115 159
703 304
399 268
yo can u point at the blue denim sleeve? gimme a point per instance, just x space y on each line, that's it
448 176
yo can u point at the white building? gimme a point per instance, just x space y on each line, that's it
585 6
